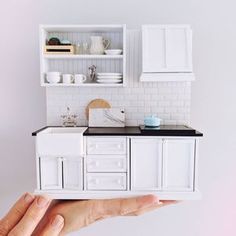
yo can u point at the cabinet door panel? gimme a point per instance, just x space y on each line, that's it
146 164
51 173
178 49
178 163
154 55
73 173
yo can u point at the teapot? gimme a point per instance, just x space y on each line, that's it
98 45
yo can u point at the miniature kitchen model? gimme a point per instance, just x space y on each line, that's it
106 158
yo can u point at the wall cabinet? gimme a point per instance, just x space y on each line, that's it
167 52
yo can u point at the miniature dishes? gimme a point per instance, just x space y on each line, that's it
113 52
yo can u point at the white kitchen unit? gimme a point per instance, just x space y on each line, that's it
73 63
111 166
166 53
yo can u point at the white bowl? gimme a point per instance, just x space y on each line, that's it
113 51
53 73
53 79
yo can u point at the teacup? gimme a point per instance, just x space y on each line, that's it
79 78
67 78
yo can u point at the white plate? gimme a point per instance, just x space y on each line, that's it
113 51
109 81
109 74
109 77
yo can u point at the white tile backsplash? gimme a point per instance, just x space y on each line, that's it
170 101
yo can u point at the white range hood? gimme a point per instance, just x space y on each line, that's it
166 53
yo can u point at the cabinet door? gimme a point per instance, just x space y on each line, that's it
178 165
73 173
51 173
146 163
167 48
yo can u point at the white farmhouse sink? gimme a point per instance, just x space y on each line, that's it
60 141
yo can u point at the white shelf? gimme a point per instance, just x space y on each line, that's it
82 85
82 56
79 63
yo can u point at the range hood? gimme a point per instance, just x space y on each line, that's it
166 53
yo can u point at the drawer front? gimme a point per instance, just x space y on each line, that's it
105 181
106 145
106 163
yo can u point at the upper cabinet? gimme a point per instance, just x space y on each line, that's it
166 53
83 55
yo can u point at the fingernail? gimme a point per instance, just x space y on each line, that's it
57 221
28 198
42 201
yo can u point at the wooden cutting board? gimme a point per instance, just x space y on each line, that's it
97 103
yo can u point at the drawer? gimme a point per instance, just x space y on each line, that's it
106 163
105 181
106 145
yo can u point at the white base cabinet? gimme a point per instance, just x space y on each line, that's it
123 166
50 172
178 164
146 163
57 173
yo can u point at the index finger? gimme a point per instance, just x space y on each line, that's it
16 213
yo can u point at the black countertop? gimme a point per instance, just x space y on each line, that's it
163 130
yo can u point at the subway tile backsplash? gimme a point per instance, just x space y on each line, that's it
170 101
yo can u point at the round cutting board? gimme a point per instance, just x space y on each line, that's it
97 103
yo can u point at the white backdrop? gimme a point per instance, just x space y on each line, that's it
22 103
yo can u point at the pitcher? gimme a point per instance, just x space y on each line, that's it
98 45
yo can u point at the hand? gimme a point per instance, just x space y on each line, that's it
32 214
79 214
26 214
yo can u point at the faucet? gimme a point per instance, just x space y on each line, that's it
69 120
92 72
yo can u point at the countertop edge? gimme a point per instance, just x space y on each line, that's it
177 133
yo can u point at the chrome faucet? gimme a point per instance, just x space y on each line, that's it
69 120
92 72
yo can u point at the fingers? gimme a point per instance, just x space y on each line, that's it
152 208
120 207
16 213
32 217
54 227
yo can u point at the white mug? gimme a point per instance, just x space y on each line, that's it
67 78
79 78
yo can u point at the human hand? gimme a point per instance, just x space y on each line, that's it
79 214
25 215
33 215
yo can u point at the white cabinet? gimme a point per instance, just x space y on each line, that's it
50 172
178 164
146 163
167 52
61 173
73 173
79 62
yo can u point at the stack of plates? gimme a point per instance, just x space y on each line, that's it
109 78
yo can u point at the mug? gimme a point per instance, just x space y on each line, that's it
67 78
79 78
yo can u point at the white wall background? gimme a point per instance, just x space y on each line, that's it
22 104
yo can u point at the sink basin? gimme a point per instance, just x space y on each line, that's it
64 130
60 141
